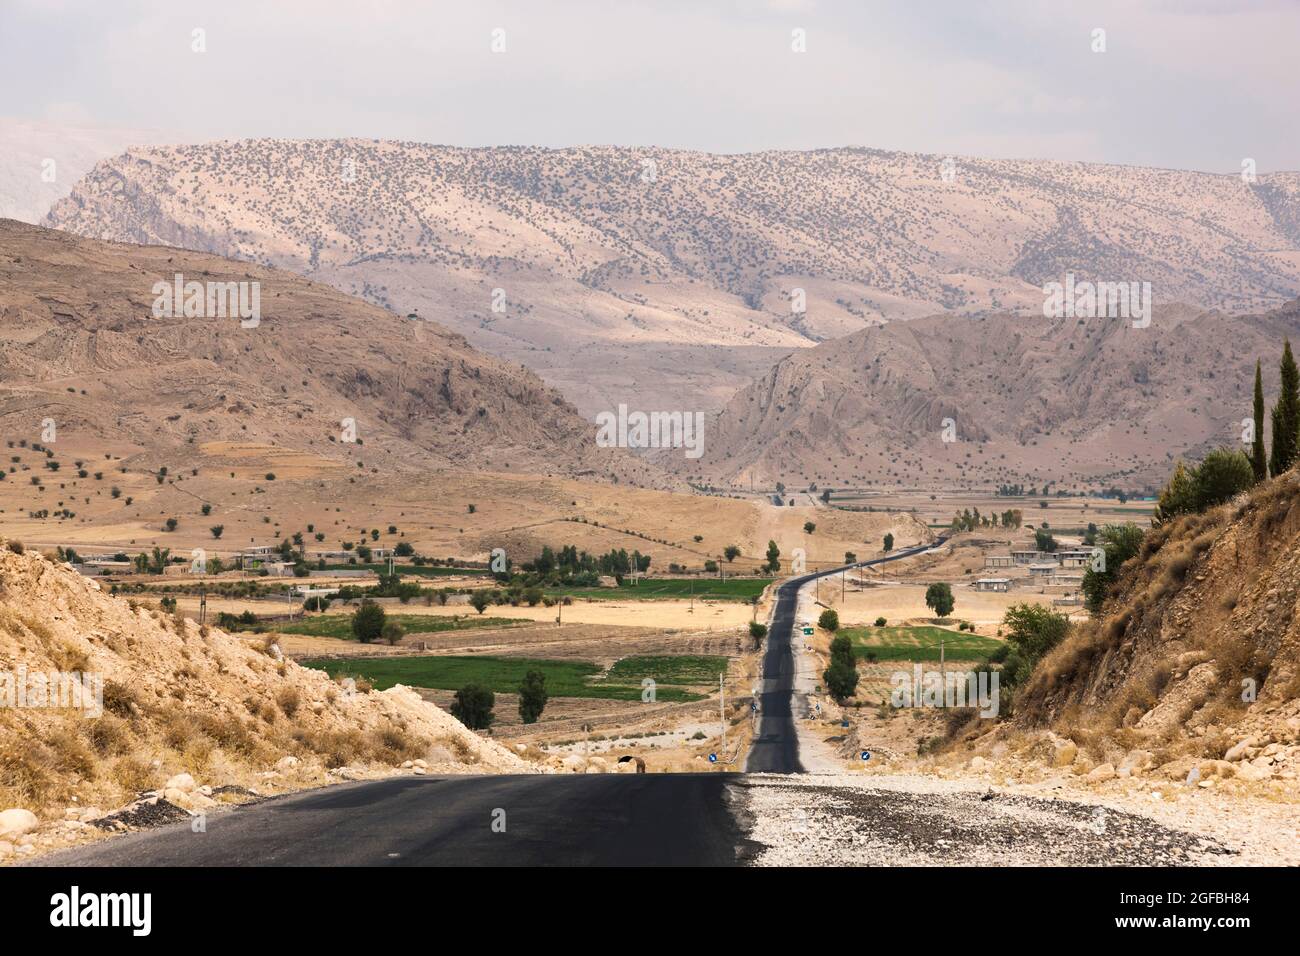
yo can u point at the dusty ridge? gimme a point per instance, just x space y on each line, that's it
1083 403
179 699
79 345
665 277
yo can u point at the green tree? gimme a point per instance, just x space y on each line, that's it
938 598
841 676
1118 543
1258 456
532 696
829 620
1043 540
368 622
479 600
757 632
889 543
809 527
392 632
473 706
1224 474
217 529
1176 497
773 557
1286 414
731 552
1031 631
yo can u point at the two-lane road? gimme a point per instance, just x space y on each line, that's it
520 820
776 747
512 820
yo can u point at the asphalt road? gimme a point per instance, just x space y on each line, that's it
549 820
776 745
513 820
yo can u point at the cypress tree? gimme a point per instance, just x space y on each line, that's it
1258 456
1286 414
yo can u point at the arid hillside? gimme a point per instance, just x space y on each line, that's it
179 699
348 388
1200 631
1191 673
668 279
1083 403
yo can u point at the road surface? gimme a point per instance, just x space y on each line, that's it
549 820
776 745
555 820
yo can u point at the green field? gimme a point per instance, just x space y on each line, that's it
340 625
919 643
678 589
687 669
563 678
415 570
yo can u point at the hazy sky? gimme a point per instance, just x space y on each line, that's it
1197 84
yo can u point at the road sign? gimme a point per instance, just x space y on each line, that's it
807 631
713 758
866 755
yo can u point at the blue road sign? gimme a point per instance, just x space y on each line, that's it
866 755
713 758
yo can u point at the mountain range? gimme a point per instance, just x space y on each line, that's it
669 279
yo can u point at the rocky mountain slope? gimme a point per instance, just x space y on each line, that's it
667 279
42 161
189 714
82 352
1188 679
1198 645
1082 403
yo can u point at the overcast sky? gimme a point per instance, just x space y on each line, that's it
1197 84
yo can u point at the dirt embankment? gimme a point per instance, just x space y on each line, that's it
184 713
1190 674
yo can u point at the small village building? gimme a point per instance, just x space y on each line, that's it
1042 569
1026 557
998 561
993 584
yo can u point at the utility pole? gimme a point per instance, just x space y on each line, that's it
203 604
722 710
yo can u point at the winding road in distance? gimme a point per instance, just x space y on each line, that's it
682 819
776 746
